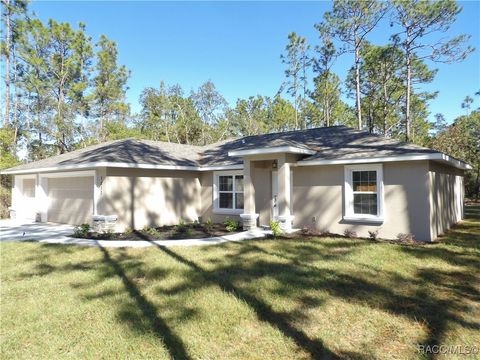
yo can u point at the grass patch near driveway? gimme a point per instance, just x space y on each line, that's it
259 299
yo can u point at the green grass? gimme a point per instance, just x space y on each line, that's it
263 299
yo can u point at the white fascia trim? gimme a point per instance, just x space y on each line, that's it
409 157
121 165
220 168
272 150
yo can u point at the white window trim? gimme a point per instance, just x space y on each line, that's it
348 194
216 207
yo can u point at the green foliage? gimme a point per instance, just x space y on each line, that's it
181 227
110 85
81 231
350 21
151 231
7 160
275 229
231 225
169 116
297 60
418 21
461 140
208 226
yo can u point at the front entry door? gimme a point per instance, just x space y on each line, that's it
274 194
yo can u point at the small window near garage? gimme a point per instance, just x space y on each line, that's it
228 193
364 193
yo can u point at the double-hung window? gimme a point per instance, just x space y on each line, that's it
364 193
228 192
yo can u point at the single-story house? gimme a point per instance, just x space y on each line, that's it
330 179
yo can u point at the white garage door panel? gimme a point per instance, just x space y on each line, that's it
71 200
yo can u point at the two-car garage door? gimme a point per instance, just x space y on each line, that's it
70 199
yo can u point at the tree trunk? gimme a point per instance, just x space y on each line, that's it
477 185
357 84
408 63
16 102
385 108
7 62
327 105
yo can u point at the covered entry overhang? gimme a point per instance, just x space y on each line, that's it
280 160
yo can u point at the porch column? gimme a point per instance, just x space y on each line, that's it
249 217
284 194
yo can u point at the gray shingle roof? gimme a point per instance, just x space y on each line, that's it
336 142
124 151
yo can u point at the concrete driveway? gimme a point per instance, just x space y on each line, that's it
17 230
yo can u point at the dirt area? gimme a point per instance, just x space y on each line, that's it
174 232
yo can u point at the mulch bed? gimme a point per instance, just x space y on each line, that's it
174 232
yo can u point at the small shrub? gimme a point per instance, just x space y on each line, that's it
128 230
275 228
231 225
405 237
181 227
81 231
349 234
373 235
150 231
208 226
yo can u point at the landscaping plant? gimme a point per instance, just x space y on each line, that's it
275 228
81 231
231 225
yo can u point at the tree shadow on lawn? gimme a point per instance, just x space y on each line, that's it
460 246
420 304
136 313
172 341
437 297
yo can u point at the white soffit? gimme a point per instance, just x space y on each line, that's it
408 157
272 150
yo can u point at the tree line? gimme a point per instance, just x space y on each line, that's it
63 90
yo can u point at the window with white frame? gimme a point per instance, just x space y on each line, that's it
228 192
364 192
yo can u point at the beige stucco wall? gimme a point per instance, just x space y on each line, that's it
318 193
446 197
142 197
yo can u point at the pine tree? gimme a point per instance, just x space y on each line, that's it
418 20
351 21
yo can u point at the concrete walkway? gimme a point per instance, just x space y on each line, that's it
15 230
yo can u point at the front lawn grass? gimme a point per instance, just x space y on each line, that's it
261 299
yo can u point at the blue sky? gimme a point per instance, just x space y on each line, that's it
237 45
